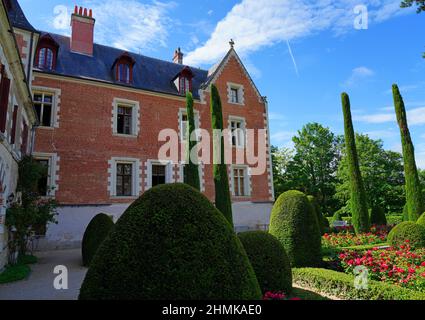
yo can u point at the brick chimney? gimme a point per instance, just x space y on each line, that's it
178 56
82 24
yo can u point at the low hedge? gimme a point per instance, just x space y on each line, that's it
394 219
365 247
341 285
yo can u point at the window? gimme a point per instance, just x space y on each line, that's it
24 145
184 124
45 58
43 184
124 120
158 175
237 128
234 95
4 98
43 104
124 179
14 120
185 85
124 73
239 182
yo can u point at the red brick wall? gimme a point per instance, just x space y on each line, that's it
84 140
21 44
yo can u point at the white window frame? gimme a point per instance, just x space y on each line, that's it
240 135
247 180
200 171
241 93
135 177
135 117
182 129
54 117
168 171
52 170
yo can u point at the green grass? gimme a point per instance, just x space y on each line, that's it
14 273
27 259
306 295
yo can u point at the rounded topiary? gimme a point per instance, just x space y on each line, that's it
293 223
317 213
407 230
269 260
97 230
421 220
377 216
171 244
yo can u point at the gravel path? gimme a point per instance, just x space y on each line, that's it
39 285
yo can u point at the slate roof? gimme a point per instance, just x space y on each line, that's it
17 17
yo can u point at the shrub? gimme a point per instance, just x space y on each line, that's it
97 230
14 273
421 220
317 213
410 231
343 286
269 260
377 216
336 217
293 223
394 219
171 244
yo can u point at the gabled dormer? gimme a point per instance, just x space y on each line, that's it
47 52
123 68
183 80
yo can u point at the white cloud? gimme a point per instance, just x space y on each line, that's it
414 117
358 74
125 24
380 134
210 12
282 139
62 18
255 24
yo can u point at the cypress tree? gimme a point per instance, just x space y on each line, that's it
223 200
414 200
359 209
191 172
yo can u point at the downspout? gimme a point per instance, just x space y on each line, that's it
266 105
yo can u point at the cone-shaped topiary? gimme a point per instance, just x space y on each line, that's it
223 201
191 171
410 231
405 213
358 200
293 223
317 213
414 199
269 260
97 230
171 244
421 220
377 216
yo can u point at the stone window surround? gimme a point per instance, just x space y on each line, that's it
135 117
183 111
169 174
201 168
53 170
112 179
55 117
243 121
241 93
247 180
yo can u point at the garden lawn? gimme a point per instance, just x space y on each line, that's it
19 271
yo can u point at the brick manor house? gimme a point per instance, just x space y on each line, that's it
100 111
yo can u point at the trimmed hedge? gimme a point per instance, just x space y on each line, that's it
377 216
318 214
171 244
97 230
269 260
407 230
393 219
421 220
341 285
294 224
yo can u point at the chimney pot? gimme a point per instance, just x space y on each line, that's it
80 12
85 12
76 10
82 31
178 56
90 13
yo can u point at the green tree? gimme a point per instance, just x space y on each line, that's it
419 3
359 210
382 173
191 170
223 201
414 198
280 159
313 167
421 174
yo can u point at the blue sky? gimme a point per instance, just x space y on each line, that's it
301 54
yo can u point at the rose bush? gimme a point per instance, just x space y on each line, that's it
347 238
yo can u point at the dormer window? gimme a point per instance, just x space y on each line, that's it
124 68
46 53
183 81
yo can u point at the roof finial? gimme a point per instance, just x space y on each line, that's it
232 43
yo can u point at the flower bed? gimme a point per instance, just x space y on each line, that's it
402 266
345 237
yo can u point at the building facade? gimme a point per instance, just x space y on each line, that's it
17 116
101 113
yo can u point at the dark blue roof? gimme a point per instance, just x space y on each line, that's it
148 73
17 17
